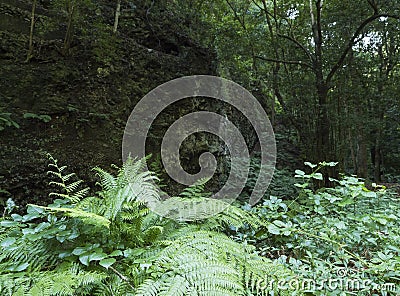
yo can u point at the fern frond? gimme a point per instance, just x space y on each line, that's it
91 204
59 184
88 217
73 186
129 186
196 190
69 191
78 195
176 286
231 216
151 234
68 280
107 181
27 254
150 287
113 286
208 263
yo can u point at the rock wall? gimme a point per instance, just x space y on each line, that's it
88 94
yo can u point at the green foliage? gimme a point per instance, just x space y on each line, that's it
7 121
111 244
210 264
281 184
347 233
104 44
42 117
67 190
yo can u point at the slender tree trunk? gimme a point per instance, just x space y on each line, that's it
377 163
30 48
116 18
273 110
276 66
362 155
323 145
69 34
324 148
377 160
384 72
352 152
340 138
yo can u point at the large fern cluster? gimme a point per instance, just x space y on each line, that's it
111 244
209 263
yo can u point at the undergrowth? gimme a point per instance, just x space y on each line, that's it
329 241
111 244
340 241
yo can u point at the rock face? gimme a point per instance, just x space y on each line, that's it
74 105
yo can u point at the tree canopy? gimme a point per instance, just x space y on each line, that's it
329 68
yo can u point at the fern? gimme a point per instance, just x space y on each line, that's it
113 286
130 185
69 190
196 190
87 217
232 216
208 263
112 244
194 204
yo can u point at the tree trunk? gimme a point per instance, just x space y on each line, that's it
362 155
68 34
352 152
378 146
117 14
323 143
30 49
377 161
323 147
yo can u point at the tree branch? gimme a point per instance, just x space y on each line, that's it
374 6
241 22
281 101
299 45
301 63
256 4
351 42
